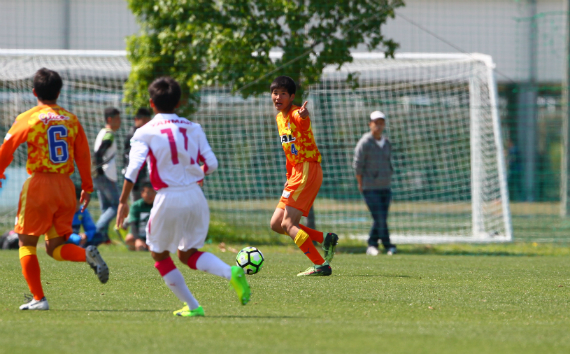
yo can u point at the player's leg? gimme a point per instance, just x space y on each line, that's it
176 283
34 219
58 234
277 219
31 271
195 231
303 241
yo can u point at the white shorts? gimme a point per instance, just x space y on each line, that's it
179 219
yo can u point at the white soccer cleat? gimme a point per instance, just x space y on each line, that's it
97 263
36 305
372 251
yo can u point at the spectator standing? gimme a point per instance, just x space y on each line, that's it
106 173
373 168
142 117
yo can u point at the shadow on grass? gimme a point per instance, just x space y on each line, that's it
491 250
169 311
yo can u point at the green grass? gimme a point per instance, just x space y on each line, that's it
424 300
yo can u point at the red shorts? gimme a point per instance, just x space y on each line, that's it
302 187
47 205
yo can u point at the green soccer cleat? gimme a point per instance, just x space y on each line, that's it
240 284
186 312
317 270
329 245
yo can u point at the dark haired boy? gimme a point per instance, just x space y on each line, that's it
180 215
304 178
55 140
106 170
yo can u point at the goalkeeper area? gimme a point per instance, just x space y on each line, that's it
449 182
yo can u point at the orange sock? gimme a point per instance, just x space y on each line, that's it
304 242
31 271
313 234
69 252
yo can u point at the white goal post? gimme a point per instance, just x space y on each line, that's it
449 183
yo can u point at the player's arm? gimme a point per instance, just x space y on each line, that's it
207 156
137 157
16 136
301 117
83 162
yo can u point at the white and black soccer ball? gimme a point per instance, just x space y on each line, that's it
250 259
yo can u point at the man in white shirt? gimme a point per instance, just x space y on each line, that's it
105 179
174 147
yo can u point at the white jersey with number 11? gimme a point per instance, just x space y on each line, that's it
173 147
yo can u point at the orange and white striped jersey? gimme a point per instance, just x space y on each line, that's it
297 139
55 140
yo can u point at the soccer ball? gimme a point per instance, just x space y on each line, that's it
250 259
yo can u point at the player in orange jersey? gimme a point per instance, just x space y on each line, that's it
304 178
55 140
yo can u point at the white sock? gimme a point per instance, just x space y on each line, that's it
175 281
213 265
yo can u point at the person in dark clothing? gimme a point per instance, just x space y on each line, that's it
142 117
373 167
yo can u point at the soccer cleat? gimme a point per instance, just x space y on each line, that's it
317 270
36 305
391 251
240 284
186 312
97 263
372 251
329 245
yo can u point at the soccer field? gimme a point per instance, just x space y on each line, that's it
485 302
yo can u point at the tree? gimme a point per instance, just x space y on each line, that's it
205 42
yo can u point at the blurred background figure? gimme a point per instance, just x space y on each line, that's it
105 179
83 219
142 117
138 219
373 166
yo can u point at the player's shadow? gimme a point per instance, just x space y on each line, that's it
375 275
427 250
266 317
109 310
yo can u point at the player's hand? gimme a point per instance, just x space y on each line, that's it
83 239
84 200
122 213
303 111
201 183
286 184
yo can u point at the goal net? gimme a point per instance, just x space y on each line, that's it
449 181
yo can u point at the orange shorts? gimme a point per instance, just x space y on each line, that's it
47 205
302 187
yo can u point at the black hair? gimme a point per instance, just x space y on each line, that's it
142 112
147 185
47 84
165 93
284 82
110 112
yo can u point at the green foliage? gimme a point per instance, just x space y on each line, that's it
202 42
